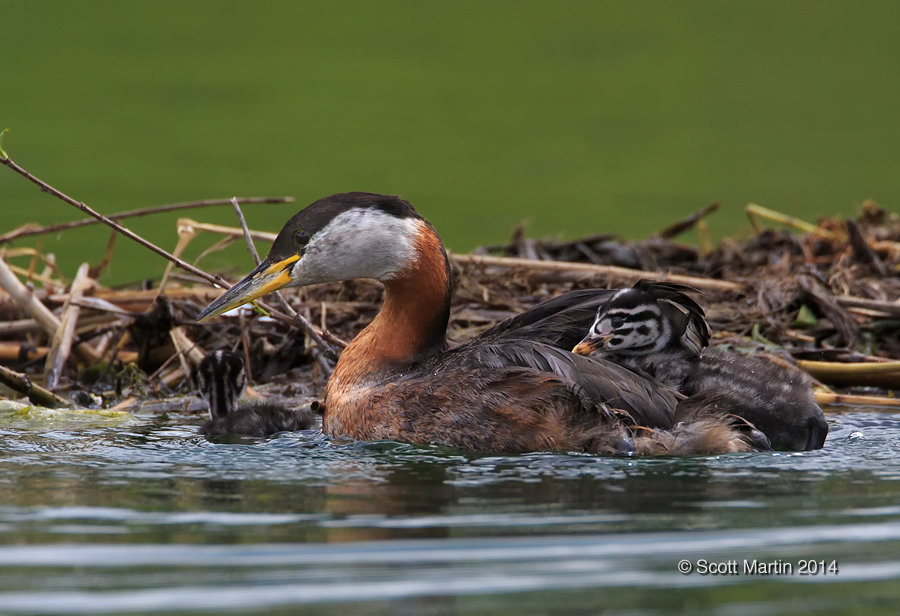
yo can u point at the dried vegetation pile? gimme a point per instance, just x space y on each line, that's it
825 296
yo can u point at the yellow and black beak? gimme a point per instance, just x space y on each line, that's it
590 344
267 277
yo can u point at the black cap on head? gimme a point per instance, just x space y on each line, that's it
316 216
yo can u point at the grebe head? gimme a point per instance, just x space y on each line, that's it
648 318
222 380
341 237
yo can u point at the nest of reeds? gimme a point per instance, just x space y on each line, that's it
822 296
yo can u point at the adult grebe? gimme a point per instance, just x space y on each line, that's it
514 388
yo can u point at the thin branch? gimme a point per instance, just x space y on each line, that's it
126 232
256 260
172 207
216 280
302 322
240 216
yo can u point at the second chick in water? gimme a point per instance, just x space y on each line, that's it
223 380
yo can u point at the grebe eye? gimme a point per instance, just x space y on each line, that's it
617 322
301 238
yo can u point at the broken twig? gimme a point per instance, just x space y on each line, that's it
686 223
62 339
37 394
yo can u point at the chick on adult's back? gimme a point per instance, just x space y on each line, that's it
657 328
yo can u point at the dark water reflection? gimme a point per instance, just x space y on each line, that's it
148 517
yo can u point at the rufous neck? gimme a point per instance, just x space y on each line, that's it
412 324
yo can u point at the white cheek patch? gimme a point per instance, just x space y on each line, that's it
358 243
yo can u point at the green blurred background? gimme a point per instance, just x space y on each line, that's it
580 117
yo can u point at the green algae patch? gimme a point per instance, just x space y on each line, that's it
30 416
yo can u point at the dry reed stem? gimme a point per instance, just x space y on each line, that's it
35 254
17 352
227 231
61 345
220 245
882 374
755 211
827 397
171 379
185 234
849 369
187 347
890 307
26 300
182 345
124 405
30 276
20 326
572 272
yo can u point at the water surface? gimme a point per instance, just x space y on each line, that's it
145 516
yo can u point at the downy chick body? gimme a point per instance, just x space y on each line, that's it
223 380
657 329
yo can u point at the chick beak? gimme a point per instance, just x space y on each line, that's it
590 344
267 277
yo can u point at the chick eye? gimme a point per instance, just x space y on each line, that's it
617 322
301 238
